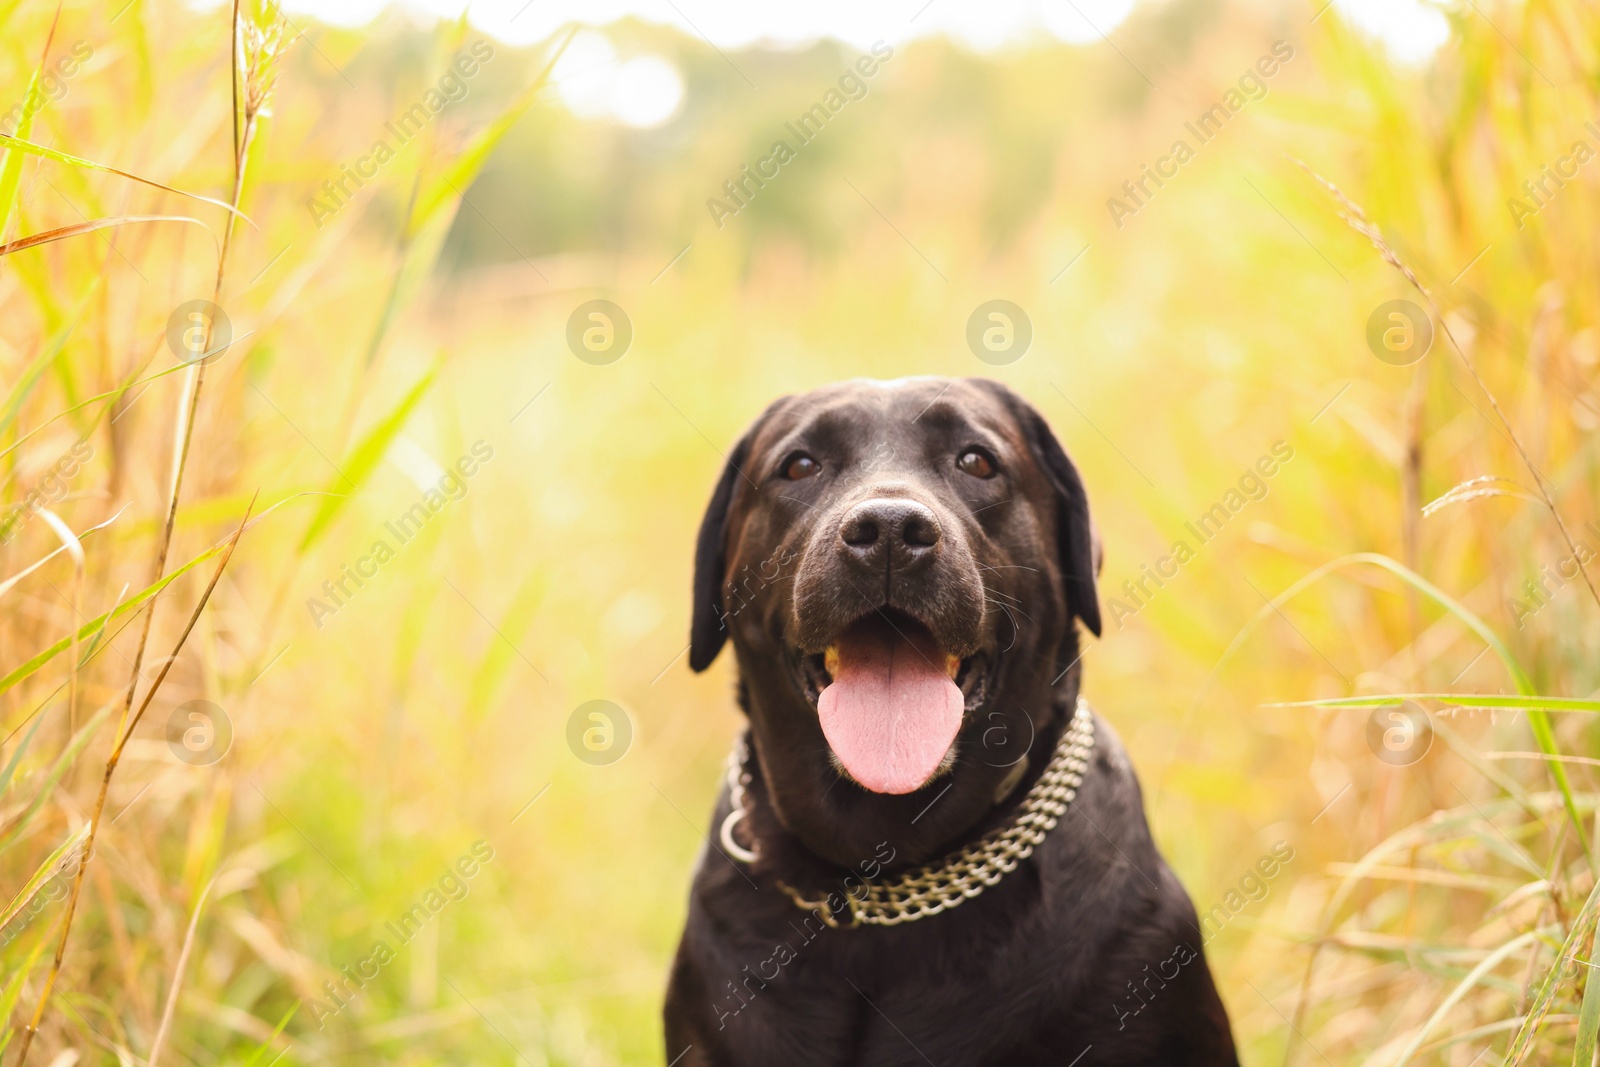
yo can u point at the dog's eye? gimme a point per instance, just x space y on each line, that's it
976 463
800 466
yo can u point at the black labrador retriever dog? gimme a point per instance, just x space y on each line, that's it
929 850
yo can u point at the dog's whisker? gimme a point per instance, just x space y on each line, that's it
996 596
1008 609
1015 629
1011 608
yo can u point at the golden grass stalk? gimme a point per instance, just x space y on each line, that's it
1358 221
177 976
259 64
1411 513
260 49
61 233
1475 489
105 785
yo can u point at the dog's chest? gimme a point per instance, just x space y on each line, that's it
964 989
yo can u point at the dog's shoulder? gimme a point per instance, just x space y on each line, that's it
1110 756
1104 838
1111 786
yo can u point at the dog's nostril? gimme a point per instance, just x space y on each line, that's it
860 532
920 531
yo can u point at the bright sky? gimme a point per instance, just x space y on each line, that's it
647 90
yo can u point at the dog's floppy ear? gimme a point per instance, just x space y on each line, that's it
708 629
1077 541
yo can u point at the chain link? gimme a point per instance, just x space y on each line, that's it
961 875
738 779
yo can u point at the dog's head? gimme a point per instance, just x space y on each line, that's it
899 565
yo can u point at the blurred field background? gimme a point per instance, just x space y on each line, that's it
1435 912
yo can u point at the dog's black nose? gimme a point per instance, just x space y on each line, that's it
902 530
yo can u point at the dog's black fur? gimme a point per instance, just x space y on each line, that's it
1088 953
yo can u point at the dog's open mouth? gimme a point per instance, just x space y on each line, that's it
891 701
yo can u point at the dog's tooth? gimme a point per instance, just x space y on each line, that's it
952 666
830 660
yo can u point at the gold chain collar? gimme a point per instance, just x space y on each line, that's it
959 876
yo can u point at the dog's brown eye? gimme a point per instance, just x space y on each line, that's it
975 463
800 466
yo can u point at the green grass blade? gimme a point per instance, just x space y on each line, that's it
34 371
1467 752
11 162
500 656
1437 825
364 459
416 262
47 870
1538 721
251 1062
91 648
1583 925
11 167
63 762
19 144
13 989
1588 1016
1399 570
1489 963
1460 700
427 220
97 624
109 394
452 182
16 757
27 669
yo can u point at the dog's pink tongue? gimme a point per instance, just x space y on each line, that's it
891 713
